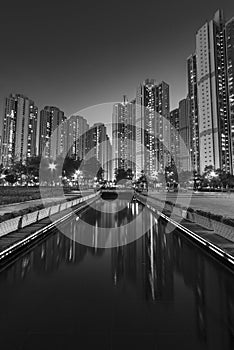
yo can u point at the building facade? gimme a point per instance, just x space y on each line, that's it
52 141
162 126
19 129
76 135
98 147
212 88
123 136
185 135
152 127
193 98
230 71
175 138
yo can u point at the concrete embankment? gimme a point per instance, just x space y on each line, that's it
220 224
214 235
19 231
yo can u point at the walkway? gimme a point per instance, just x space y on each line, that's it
216 203
9 208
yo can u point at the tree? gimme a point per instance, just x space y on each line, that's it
143 177
11 178
171 174
142 181
129 174
33 166
120 174
231 181
184 177
161 178
215 178
100 174
70 166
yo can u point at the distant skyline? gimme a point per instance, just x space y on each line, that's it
78 54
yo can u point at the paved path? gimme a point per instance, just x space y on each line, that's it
9 208
210 236
216 203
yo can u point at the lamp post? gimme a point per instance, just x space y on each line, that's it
52 167
213 175
77 176
2 178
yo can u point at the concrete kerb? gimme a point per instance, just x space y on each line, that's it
22 221
221 229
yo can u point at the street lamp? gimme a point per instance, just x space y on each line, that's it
77 176
52 166
213 174
2 177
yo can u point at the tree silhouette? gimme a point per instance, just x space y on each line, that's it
120 174
11 178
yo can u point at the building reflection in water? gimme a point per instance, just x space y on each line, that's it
150 265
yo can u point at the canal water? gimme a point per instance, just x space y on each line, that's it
158 292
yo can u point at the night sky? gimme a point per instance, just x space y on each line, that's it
77 54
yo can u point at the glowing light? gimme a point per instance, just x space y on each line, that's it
213 174
52 166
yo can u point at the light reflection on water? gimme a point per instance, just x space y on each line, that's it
109 224
160 285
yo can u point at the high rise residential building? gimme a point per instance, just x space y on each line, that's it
193 98
162 123
175 138
152 127
230 70
32 130
185 134
107 160
76 135
213 104
52 132
19 129
145 131
98 146
118 135
131 136
123 135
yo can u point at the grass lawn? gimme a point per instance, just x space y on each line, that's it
10 195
